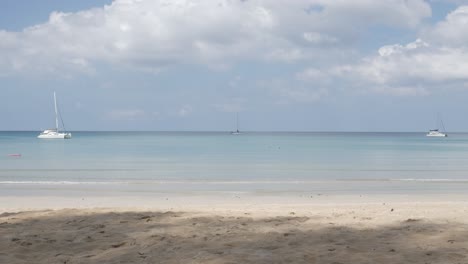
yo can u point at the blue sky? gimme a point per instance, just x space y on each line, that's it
305 65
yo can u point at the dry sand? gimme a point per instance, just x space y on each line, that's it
346 232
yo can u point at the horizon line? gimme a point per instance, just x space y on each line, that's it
242 131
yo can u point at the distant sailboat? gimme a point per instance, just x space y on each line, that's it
436 132
55 133
237 132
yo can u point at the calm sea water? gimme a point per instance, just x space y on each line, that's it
251 159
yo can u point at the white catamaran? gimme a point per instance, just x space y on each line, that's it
55 133
436 132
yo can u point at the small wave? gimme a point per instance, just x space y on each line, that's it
139 182
226 182
432 180
59 182
406 180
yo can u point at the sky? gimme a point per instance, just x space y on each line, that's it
170 65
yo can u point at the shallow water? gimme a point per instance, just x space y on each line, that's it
250 161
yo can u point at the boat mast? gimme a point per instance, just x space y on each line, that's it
56 114
237 122
443 127
439 121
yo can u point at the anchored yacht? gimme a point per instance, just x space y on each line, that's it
54 133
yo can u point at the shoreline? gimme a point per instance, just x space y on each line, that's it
220 201
188 196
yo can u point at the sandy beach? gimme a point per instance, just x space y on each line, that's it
377 229
234 132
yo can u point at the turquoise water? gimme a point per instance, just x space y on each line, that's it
145 157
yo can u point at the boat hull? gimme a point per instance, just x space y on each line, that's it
436 135
55 136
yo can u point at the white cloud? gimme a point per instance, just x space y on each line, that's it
318 38
453 31
436 60
154 34
412 69
399 49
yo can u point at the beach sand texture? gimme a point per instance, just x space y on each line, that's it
399 233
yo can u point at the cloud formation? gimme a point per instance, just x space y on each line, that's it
453 31
155 34
436 60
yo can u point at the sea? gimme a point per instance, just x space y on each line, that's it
254 162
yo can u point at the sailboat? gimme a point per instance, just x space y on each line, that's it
237 132
55 133
436 132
